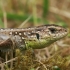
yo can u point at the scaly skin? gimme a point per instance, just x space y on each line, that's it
35 37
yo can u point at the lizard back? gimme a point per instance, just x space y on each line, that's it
35 37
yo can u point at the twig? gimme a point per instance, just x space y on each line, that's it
25 22
60 12
8 61
37 68
34 11
42 64
4 13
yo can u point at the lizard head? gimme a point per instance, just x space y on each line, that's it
46 35
52 31
56 32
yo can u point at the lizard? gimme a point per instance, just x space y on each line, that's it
35 37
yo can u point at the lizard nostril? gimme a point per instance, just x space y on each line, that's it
53 30
65 30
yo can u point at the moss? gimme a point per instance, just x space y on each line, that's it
27 61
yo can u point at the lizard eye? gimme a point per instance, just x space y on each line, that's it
53 30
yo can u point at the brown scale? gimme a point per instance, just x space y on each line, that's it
7 42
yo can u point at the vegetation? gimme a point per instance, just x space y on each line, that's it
28 13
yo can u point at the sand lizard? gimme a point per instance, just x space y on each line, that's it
34 37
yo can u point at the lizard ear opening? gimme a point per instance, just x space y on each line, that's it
37 35
53 30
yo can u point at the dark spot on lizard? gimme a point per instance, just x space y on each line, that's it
38 29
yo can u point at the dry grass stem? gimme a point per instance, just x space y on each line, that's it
25 22
60 12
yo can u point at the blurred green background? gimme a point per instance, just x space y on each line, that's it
27 13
